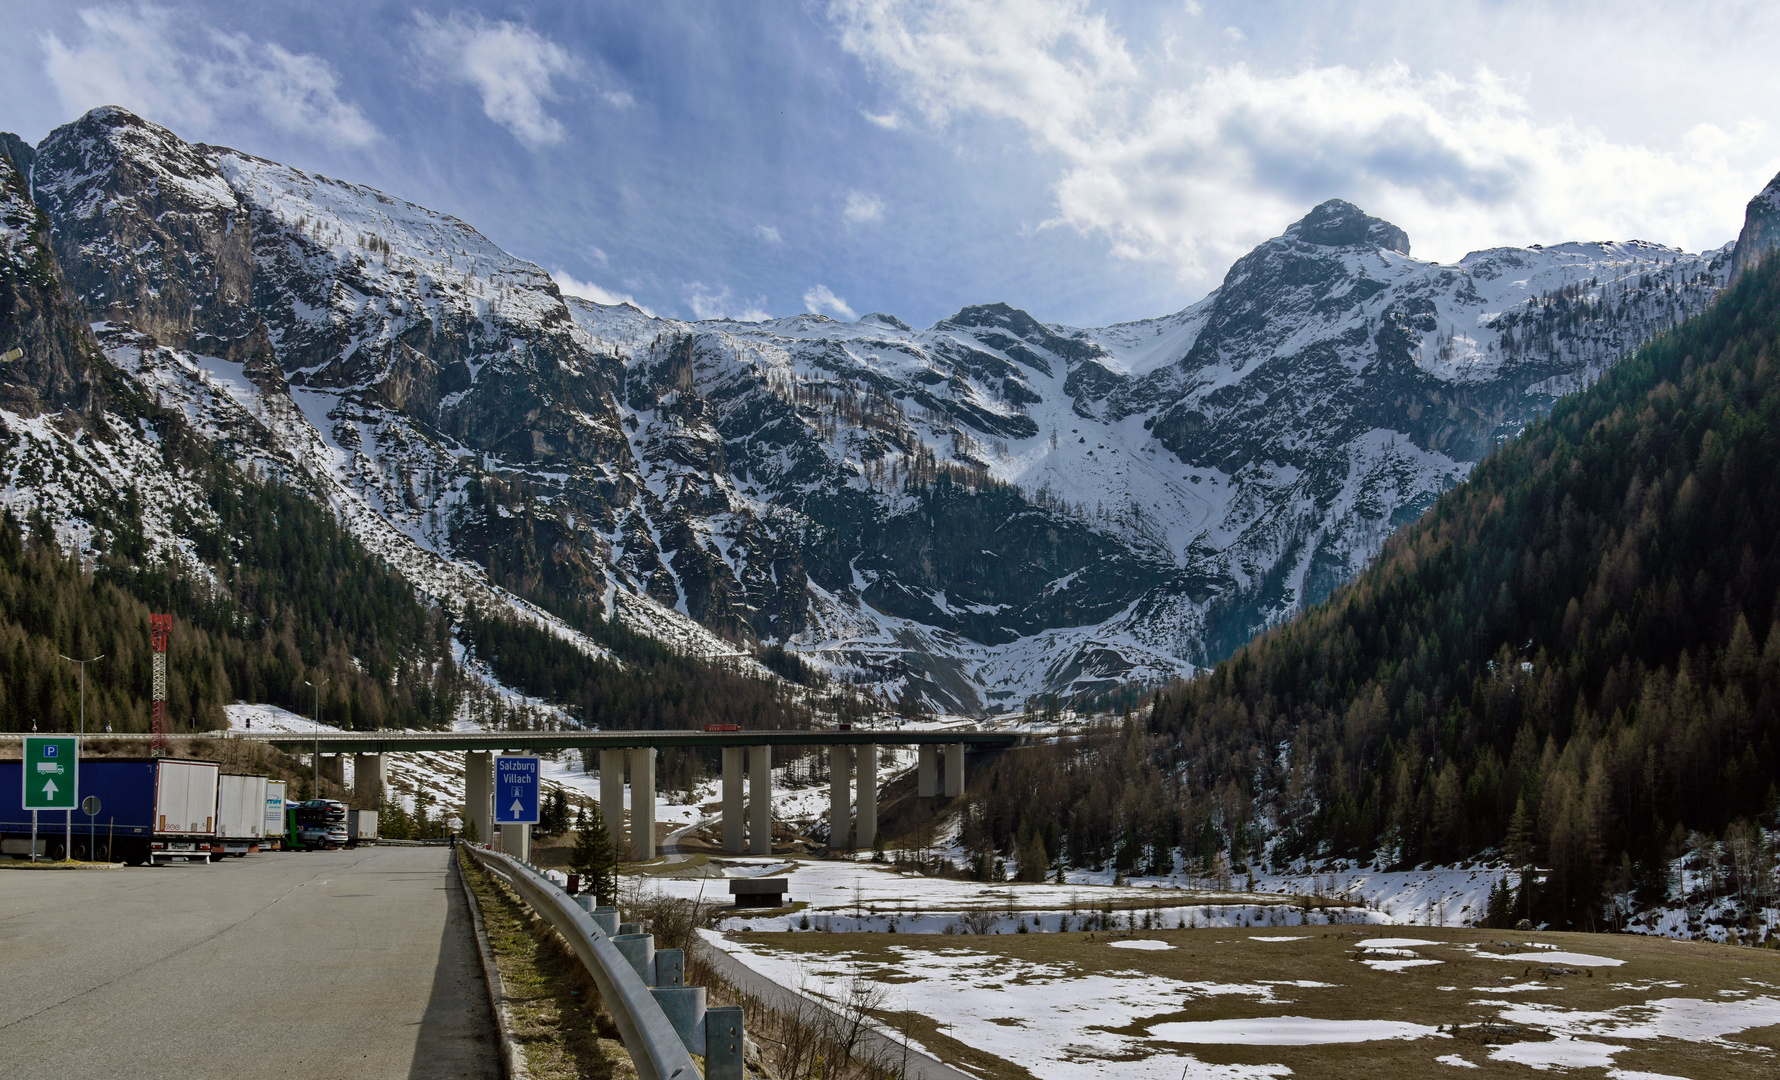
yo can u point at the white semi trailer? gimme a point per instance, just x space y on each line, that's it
240 815
276 826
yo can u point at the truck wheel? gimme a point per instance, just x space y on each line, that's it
80 850
56 850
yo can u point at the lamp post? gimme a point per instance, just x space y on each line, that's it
68 840
83 690
317 761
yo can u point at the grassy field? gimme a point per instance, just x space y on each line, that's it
1063 1006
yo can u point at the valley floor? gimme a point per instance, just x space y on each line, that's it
1228 1004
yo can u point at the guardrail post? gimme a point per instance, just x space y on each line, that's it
684 1007
670 968
639 951
723 1043
606 918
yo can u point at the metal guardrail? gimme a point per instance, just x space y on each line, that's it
655 1046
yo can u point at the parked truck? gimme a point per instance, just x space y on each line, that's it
150 810
275 826
316 825
240 815
361 827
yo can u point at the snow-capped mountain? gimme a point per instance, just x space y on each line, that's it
974 513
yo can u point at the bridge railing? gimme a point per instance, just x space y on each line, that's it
660 1047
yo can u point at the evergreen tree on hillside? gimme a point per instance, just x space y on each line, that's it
1574 655
594 858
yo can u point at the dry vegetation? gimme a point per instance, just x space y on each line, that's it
1654 968
556 1012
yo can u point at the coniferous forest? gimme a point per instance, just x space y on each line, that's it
1572 659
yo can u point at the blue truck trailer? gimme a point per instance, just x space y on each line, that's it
150 810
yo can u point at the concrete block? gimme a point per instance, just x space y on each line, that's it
927 771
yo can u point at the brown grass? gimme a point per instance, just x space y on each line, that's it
1359 992
558 1017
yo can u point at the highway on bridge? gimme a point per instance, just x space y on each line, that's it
292 965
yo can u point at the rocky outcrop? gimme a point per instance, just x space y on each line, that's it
53 366
1761 229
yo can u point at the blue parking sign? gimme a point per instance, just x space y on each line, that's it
516 790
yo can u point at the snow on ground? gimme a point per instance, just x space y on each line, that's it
1288 1031
844 895
1060 1015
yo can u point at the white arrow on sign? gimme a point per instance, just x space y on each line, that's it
518 808
49 789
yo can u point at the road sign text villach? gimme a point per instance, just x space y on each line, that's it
516 790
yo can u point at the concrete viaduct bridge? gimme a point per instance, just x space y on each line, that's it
747 823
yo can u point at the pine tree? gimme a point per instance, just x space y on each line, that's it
594 858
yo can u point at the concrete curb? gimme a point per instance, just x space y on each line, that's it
512 1054
781 998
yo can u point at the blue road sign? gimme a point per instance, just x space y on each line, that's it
516 791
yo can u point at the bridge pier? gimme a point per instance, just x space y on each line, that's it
866 831
954 770
840 802
516 840
760 800
333 767
369 775
612 795
642 803
478 792
732 799
927 771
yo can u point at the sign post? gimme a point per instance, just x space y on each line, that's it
90 807
516 796
51 780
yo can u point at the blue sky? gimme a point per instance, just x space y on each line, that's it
1088 162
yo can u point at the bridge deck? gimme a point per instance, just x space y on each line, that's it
393 742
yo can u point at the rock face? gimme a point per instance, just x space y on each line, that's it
975 513
53 370
1761 229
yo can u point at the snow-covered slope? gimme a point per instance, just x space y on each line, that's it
972 514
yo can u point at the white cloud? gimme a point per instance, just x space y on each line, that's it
619 99
862 207
888 121
721 303
1234 35
769 233
1191 165
587 290
513 67
820 298
141 59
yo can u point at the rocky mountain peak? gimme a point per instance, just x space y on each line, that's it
1338 223
1761 229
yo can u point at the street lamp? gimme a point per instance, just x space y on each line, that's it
83 690
317 761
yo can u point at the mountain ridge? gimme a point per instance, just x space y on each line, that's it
969 516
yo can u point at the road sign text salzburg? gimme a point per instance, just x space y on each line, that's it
516 790
52 772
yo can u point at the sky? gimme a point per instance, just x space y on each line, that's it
1088 162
